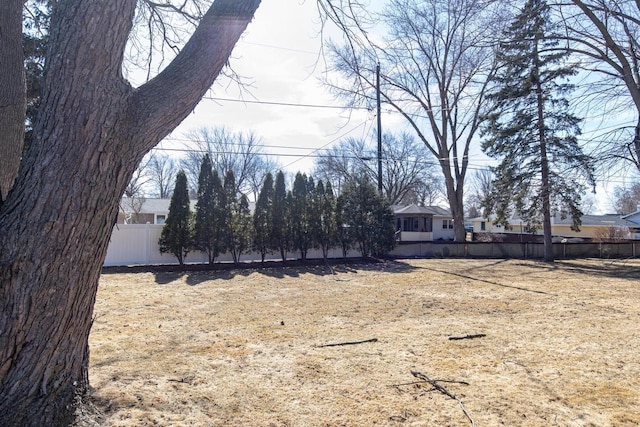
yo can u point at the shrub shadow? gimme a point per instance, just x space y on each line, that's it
200 273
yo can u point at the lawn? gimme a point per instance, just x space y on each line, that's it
540 345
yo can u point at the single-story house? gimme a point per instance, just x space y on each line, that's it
413 223
140 210
634 218
593 227
422 223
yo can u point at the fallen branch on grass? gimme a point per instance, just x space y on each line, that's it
423 381
443 390
468 337
348 343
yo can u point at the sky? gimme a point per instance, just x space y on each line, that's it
278 60
279 57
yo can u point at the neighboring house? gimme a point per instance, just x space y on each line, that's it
634 217
413 223
422 223
143 211
593 227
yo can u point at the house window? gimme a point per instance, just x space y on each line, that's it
428 224
160 219
483 226
411 224
447 224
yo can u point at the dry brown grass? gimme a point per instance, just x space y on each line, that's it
240 348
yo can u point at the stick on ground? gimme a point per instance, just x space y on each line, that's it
468 337
348 343
444 391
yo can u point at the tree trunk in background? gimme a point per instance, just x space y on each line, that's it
455 196
544 159
13 102
92 131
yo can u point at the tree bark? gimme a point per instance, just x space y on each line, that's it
455 196
13 91
92 131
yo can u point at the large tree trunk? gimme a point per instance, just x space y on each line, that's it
455 197
13 102
92 131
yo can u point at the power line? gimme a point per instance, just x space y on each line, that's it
328 143
285 104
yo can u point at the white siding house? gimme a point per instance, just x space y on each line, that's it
593 226
422 223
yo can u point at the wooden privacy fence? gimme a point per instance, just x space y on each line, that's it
137 244
517 250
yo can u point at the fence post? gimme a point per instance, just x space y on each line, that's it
147 243
600 249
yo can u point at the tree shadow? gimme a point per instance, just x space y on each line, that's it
466 274
200 273
610 268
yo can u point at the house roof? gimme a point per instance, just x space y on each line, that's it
413 209
608 220
160 206
633 215
149 206
597 221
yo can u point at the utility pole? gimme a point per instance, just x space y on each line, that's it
379 129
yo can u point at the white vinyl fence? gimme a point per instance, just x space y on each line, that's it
137 244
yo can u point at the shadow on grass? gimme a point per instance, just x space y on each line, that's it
199 273
611 268
477 270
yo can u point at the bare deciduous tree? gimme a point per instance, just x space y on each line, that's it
241 152
604 36
92 130
406 176
436 62
161 171
134 194
480 185
13 101
626 199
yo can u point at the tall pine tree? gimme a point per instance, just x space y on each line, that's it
367 217
220 219
205 218
543 168
176 233
262 218
231 207
301 237
343 234
280 218
241 223
325 228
